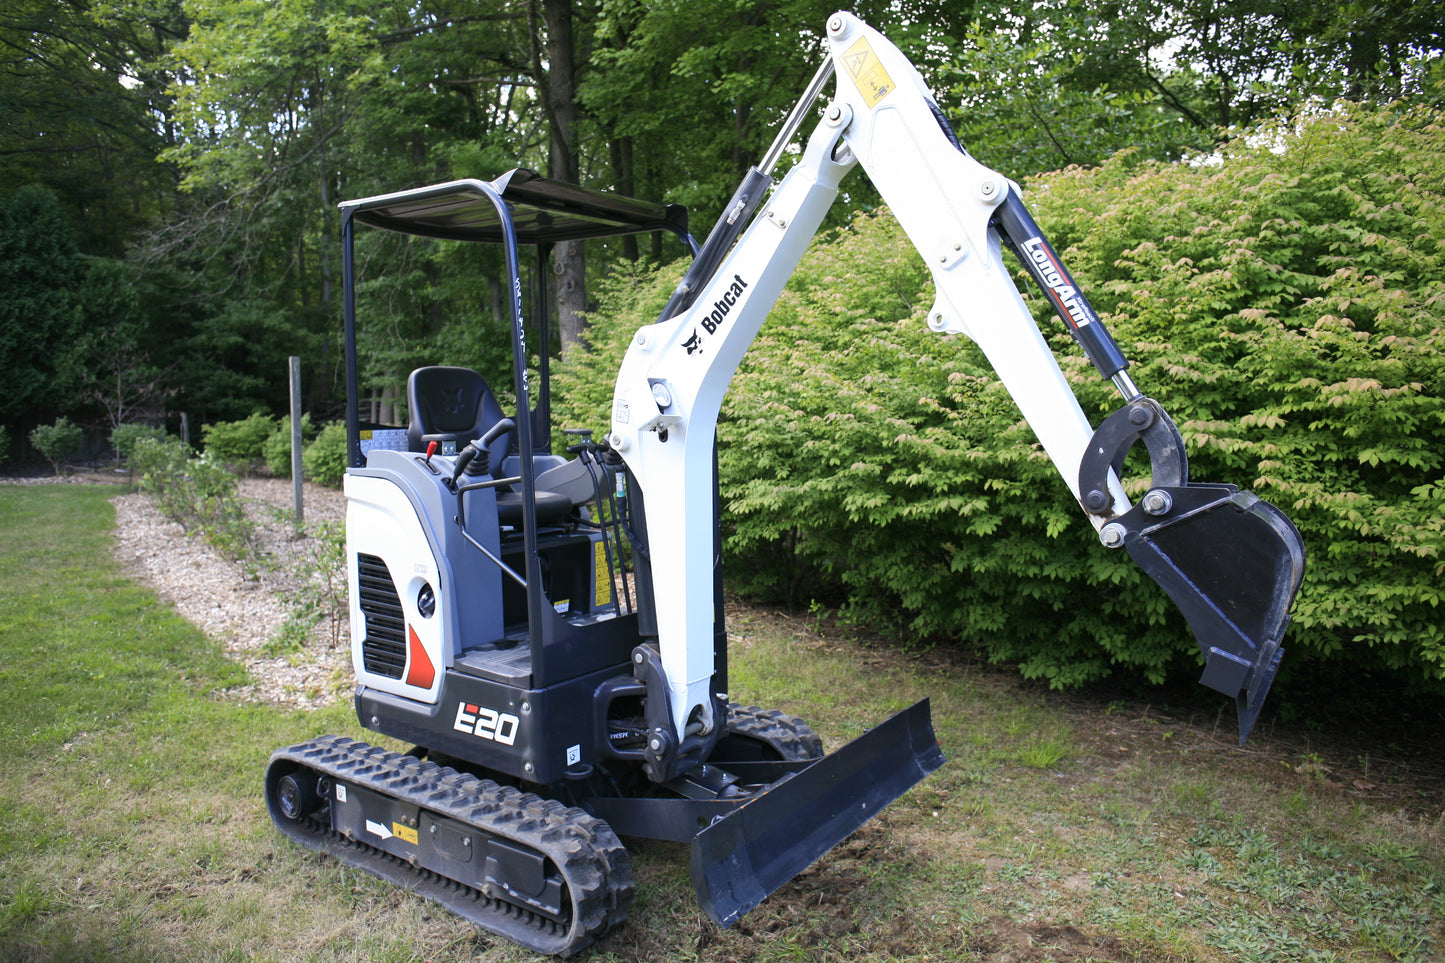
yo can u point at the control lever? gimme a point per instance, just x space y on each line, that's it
474 459
586 435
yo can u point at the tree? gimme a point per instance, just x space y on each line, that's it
85 109
692 94
117 373
290 107
555 43
1044 85
40 277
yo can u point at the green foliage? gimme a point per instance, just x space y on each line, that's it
324 460
277 449
82 104
320 592
125 437
629 297
1282 304
698 89
4 444
57 442
1037 87
241 442
198 493
1285 304
993 87
40 272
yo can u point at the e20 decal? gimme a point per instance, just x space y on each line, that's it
486 723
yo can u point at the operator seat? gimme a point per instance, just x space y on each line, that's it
457 405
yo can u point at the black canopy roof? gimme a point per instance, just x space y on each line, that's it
542 210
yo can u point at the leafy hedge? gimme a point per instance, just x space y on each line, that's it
277 449
1282 301
239 443
324 460
124 438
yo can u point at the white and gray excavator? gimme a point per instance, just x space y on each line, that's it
548 631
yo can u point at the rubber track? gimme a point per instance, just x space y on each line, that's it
792 738
587 853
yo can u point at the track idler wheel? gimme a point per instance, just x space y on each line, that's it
299 794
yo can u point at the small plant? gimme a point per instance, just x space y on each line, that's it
1312 765
239 443
1043 754
57 442
200 494
320 594
124 438
277 449
325 458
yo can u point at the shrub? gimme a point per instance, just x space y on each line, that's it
319 594
4 444
239 443
277 449
324 460
125 437
198 493
57 442
1283 305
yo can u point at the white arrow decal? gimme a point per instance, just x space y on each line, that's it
377 829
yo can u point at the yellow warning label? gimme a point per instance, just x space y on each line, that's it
867 72
602 583
405 833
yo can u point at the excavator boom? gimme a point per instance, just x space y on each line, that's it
1230 561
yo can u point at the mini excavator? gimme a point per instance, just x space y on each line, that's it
548 630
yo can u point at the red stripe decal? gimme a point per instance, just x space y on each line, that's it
419 671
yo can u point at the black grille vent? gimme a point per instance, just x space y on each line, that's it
383 651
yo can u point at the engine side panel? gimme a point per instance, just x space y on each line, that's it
399 530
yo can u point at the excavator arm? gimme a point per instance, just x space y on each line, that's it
1230 561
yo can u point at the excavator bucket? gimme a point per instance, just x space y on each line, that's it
742 857
1232 563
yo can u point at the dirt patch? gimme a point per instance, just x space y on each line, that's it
1007 941
241 608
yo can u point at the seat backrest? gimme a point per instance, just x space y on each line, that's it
452 405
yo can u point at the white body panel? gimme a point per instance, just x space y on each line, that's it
381 521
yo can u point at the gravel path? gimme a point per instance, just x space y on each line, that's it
244 613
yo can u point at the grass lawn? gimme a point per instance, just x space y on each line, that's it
1059 830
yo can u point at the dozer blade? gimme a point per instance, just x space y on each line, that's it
746 855
1232 563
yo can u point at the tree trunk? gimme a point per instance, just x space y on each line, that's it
558 85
